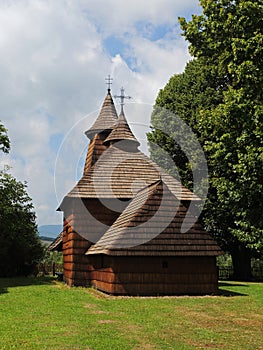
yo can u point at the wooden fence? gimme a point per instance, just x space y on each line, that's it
49 269
225 273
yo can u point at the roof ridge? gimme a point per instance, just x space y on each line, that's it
153 184
133 210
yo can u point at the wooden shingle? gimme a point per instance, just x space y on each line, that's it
57 243
106 119
122 174
150 226
121 131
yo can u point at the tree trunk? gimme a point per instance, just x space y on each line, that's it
241 260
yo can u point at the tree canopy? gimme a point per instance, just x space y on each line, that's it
186 95
20 245
220 96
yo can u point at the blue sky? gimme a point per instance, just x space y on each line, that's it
55 56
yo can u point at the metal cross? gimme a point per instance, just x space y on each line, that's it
109 82
122 97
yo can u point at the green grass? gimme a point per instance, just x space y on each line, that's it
44 314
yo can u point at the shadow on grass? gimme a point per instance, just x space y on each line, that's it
230 293
229 284
6 283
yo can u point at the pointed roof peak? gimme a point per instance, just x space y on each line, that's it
122 131
107 117
122 118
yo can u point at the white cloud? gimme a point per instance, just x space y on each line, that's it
53 63
115 16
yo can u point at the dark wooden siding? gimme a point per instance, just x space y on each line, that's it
154 275
96 148
80 232
74 260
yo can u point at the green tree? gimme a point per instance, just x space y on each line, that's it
4 140
227 43
20 245
186 95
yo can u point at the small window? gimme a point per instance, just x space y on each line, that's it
165 264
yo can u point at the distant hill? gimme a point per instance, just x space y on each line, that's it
49 231
46 240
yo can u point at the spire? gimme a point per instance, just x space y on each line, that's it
122 97
122 130
107 117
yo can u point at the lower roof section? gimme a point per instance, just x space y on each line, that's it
151 226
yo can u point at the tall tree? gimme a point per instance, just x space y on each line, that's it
227 42
186 95
20 245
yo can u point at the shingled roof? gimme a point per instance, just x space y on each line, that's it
150 226
122 174
106 119
121 131
57 243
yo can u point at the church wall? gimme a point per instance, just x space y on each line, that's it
154 275
73 249
85 223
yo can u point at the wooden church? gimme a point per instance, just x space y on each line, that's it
122 221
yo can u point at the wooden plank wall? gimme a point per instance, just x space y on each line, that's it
96 148
74 259
155 276
80 232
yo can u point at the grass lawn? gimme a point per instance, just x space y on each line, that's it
41 313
